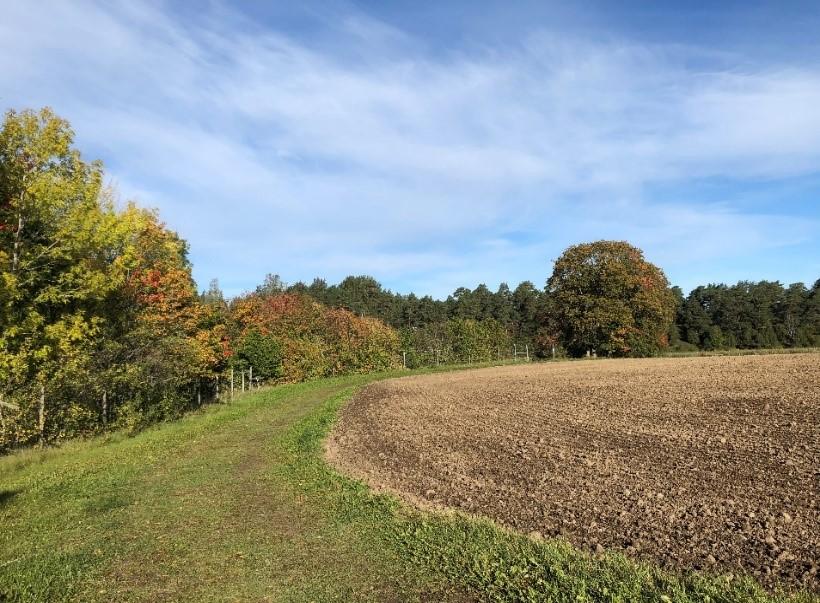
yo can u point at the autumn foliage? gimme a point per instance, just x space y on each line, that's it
313 340
605 298
101 324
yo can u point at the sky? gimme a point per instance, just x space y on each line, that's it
443 144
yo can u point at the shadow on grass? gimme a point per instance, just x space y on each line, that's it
6 496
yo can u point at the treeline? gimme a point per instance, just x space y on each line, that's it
746 315
425 331
520 311
101 323
469 326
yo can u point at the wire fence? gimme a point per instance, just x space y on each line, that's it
234 382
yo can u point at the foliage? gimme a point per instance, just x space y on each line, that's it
101 324
314 340
100 321
751 315
455 340
606 298
519 312
745 315
263 353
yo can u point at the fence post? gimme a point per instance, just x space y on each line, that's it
528 352
250 378
231 384
243 381
404 358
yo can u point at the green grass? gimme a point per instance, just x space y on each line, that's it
235 503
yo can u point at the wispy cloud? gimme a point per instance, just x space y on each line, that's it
361 152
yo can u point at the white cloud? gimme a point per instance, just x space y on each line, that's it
365 154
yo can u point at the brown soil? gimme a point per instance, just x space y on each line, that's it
707 463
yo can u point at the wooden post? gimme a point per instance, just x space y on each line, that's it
250 378
42 416
217 388
231 384
404 358
528 352
199 393
105 408
243 381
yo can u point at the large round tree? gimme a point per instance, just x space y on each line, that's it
607 299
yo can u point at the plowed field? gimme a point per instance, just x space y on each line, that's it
694 463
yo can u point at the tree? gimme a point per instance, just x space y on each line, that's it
213 296
526 302
56 239
792 332
99 318
503 305
263 353
811 315
273 285
606 298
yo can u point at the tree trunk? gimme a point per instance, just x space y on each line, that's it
42 417
18 234
18 242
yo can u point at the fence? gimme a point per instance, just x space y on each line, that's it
437 356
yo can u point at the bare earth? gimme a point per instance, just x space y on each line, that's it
708 463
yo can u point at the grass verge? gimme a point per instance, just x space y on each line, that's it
235 503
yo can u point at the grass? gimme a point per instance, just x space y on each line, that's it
235 503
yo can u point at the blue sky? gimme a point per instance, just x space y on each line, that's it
435 145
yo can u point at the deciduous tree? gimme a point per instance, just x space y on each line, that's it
606 298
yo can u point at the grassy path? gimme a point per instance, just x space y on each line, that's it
235 504
211 508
